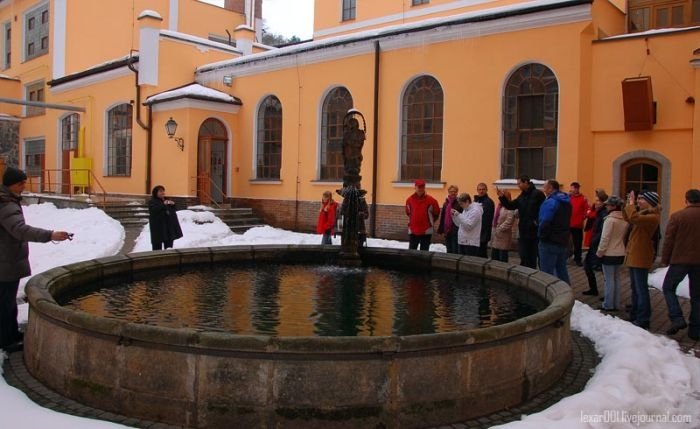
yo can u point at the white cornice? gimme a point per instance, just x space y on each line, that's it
401 41
92 80
188 103
399 17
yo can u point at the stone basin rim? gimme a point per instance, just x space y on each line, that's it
557 293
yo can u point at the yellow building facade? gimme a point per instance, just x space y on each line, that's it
453 92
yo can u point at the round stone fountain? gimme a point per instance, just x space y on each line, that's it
203 379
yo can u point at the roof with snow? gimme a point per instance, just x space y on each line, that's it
654 32
193 91
150 13
4 76
393 30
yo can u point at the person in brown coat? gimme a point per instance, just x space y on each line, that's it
644 214
682 253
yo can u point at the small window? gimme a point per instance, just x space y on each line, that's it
119 128
639 19
696 11
6 45
70 125
36 38
661 17
34 157
419 2
349 8
35 92
677 16
269 156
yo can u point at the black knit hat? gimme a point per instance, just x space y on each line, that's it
13 175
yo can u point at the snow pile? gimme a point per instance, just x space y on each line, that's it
199 229
641 375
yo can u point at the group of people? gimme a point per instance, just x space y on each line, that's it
554 225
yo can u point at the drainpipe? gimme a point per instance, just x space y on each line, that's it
147 127
375 143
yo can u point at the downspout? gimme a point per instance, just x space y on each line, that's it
375 143
147 127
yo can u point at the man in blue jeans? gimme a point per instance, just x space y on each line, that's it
553 231
682 253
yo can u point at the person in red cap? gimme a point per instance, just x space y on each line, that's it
422 211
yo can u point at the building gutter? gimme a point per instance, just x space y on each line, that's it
146 127
375 142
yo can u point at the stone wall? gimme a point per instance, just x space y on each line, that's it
9 142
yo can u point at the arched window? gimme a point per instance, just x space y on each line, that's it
640 175
421 137
530 121
119 123
269 156
335 106
70 125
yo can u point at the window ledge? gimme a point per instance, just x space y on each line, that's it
410 184
265 182
514 182
324 182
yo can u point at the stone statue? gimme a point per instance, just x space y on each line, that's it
353 140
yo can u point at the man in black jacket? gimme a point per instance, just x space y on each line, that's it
528 206
489 207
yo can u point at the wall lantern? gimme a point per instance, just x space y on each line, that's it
170 128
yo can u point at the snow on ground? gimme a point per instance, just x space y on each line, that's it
641 376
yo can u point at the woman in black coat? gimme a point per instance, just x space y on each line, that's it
162 218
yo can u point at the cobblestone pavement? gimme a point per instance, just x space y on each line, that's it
574 380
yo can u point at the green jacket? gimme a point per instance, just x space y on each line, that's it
14 235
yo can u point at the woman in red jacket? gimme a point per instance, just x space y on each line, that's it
326 217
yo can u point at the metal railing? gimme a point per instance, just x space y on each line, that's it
204 191
51 181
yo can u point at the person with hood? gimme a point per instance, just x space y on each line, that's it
327 217
644 215
553 231
482 197
14 253
611 251
469 222
502 235
579 207
683 258
528 206
422 211
447 227
162 219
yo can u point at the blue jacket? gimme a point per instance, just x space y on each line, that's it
555 214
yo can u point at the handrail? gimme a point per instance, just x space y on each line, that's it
208 194
46 184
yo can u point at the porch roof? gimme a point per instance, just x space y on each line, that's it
193 91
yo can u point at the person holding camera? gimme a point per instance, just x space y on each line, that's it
14 253
162 220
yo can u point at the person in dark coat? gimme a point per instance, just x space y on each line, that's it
528 206
446 226
489 207
162 219
14 253
591 262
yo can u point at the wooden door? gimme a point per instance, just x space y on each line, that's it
65 173
204 171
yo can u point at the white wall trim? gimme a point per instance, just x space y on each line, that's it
91 80
400 41
188 103
59 25
351 25
174 15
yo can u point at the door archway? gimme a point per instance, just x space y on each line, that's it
211 162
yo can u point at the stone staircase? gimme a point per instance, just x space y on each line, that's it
239 220
135 214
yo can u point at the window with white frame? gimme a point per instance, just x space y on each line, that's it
35 92
69 131
119 125
335 106
34 152
269 154
36 32
6 45
349 9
